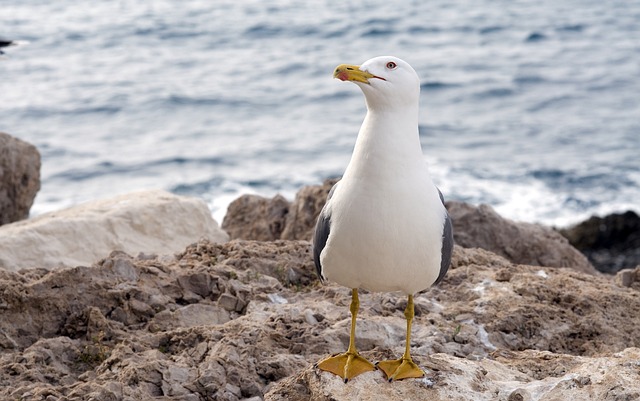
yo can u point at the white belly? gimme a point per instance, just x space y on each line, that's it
384 239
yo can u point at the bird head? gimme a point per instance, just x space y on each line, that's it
386 81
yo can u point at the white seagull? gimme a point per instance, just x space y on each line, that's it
384 226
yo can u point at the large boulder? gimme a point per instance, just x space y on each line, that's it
152 222
524 243
611 243
19 178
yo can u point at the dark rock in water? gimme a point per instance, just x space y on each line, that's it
19 178
524 243
611 243
5 43
535 37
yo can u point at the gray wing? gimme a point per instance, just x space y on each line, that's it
321 234
447 245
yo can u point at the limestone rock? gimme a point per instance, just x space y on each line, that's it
254 217
509 376
153 327
151 222
611 243
19 178
524 243
628 278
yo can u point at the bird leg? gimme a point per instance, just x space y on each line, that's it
404 367
349 364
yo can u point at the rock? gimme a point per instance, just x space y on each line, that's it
510 376
152 221
253 217
304 211
19 178
123 329
190 316
628 278
524 243
611 243
256 218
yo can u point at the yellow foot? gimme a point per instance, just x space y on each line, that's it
400 369
346 365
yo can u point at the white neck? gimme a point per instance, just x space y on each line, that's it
391 148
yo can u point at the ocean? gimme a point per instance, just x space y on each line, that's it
530 106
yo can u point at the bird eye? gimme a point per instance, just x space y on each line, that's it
391 65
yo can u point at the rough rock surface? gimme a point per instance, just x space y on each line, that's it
152 222
304 211
230 321
255 217
505 375
19 178
524 243
611 243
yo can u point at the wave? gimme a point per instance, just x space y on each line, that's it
494 92
110 168
437 85
535 37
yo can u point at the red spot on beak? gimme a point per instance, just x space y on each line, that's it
343 76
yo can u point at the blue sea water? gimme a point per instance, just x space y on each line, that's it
530 106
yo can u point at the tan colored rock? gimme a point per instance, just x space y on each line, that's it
511 376
143 328
151 222
254 217
19 178
190 316
628 278
524 243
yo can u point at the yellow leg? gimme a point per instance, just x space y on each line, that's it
349 364
404 367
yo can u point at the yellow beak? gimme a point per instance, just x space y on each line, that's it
348 72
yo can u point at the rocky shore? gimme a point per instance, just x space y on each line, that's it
521 315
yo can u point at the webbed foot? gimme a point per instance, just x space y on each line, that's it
400 369
346 365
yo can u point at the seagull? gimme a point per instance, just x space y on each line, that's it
384 227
